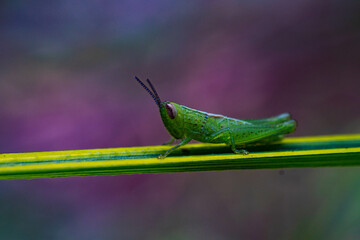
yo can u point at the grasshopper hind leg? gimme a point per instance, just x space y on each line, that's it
271 139
255 134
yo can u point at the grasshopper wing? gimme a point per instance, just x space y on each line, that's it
272 120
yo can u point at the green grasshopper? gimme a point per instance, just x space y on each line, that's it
186 124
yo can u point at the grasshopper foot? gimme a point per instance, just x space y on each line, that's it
239 151
161 156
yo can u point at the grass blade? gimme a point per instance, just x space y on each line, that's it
318 151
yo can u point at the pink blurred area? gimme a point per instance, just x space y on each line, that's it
67 82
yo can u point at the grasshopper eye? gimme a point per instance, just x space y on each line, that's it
171 110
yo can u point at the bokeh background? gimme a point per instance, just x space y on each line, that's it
66 82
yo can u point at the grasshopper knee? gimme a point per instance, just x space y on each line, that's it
284 116
289 126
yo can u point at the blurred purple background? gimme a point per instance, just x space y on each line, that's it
66 82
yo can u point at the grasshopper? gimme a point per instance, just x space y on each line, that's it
186 124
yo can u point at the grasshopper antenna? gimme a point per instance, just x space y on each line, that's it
156 99
154 91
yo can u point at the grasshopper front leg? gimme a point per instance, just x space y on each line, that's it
182 143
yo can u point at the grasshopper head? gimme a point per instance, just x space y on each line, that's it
171 113
172 117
